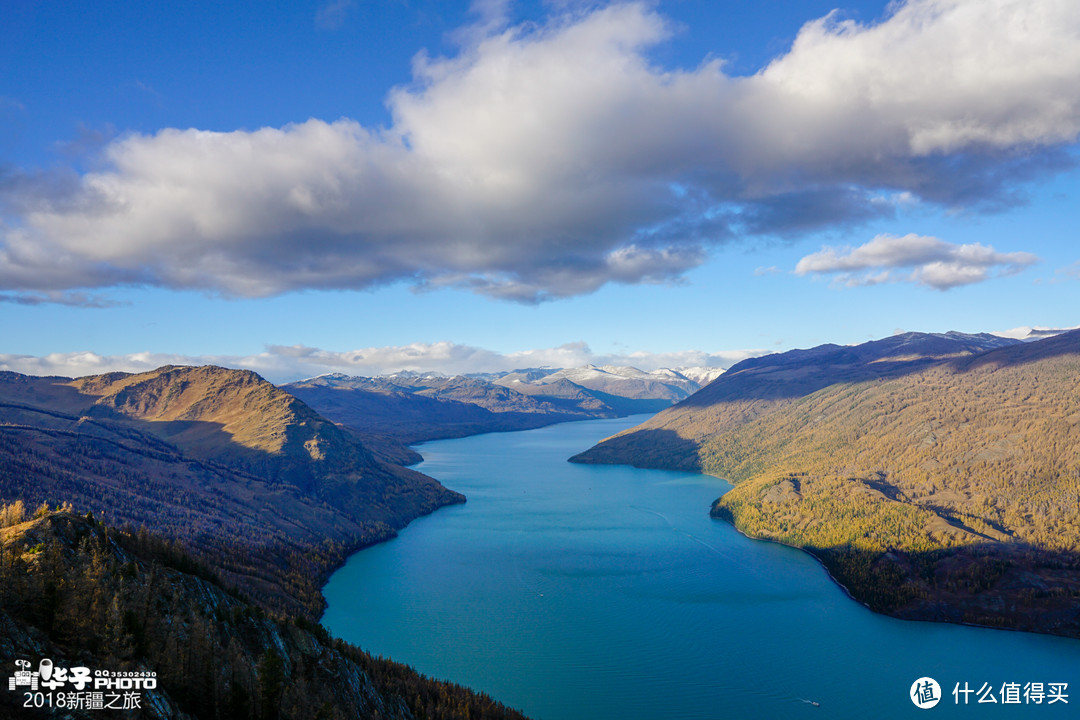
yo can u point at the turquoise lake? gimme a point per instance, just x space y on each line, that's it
578 591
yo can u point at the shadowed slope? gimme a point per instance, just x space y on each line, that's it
242 472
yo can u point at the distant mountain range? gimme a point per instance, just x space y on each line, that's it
411 407
937 476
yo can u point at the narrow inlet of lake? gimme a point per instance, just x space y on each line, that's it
577 592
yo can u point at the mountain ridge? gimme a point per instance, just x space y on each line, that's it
757 386
413 407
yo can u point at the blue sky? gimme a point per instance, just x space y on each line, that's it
370 186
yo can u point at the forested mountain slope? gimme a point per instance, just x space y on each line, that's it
83 594
949 490
755 387
240 472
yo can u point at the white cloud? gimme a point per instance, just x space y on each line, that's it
940 76
78 364
546 160
284 363
919 259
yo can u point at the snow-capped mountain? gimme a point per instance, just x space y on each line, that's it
623 381
701 375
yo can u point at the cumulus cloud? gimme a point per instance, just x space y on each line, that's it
78 364
546 160
919 259
285 363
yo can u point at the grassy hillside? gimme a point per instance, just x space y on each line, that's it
943 488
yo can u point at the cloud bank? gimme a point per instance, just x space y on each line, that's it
546 160
285 363
918 259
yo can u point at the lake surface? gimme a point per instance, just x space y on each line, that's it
580 591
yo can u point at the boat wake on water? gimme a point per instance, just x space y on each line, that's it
671 525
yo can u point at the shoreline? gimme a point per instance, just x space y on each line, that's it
390 533
849 594
819 561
